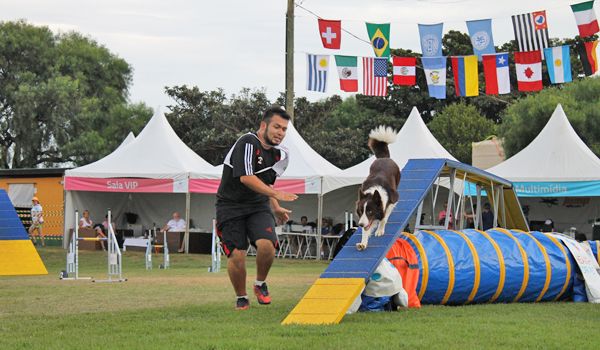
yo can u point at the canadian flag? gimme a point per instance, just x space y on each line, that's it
529 70
330 32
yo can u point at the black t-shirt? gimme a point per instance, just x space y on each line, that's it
247 157
487 220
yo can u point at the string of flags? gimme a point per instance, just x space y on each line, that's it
531 35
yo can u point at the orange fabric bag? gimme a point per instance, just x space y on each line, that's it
404 258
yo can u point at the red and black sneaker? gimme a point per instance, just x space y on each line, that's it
262 294
242 304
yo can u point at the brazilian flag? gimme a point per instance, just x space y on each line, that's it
379 35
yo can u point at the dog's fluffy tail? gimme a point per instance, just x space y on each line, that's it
379 139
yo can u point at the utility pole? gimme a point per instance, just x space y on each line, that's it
289 59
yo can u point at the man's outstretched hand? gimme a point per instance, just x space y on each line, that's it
282 215
285 196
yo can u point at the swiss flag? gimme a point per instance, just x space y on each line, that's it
330 32
529 70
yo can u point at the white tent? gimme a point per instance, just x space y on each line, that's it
557 163
556 154
148 175
414 141
130 137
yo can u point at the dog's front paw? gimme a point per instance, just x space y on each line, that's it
361 246
379 232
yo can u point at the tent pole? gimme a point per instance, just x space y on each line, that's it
320 221
187 222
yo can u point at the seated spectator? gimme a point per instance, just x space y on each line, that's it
487 217
326 226
442 217
102 230
337 229
176 224
304 220
87 222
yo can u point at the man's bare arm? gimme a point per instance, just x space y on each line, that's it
256 185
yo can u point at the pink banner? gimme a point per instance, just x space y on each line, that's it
293 186
204 185
118 184
211 186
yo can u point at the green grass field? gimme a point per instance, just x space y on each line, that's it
188 307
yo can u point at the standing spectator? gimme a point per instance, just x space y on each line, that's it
442 217
37 220
487 217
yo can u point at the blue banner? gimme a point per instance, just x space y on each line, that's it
549 189
482 40
431 39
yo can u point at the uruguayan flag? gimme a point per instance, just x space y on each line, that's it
317 68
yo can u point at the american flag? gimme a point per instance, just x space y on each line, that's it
375 71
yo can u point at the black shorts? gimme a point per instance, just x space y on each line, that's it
238 232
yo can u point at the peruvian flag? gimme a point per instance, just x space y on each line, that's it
585 18
529 70
330 32
497 79
404 70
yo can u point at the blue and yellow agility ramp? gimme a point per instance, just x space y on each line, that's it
327 301
17 253
499 265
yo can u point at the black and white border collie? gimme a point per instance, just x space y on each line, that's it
377 196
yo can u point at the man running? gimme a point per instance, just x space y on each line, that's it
246 202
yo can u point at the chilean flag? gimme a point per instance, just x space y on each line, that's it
330 32
497 77
404 70
529 70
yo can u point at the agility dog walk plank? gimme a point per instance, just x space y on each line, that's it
17 253
417 177
326 301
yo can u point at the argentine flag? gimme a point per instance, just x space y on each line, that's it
435 73
558 60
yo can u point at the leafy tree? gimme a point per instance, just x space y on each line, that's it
457 126
524 119
209 122
63 98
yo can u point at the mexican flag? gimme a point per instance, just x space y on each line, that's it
347 67
585 18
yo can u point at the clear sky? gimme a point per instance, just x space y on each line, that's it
241 43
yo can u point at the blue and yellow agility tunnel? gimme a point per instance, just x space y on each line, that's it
17 253
499 265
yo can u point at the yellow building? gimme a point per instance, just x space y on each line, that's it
46 184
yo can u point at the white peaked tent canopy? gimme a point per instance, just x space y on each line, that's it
556 154
557 163
130 137
306 167
414 141
156 153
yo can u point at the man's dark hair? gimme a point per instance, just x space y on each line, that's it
275 110
304 217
